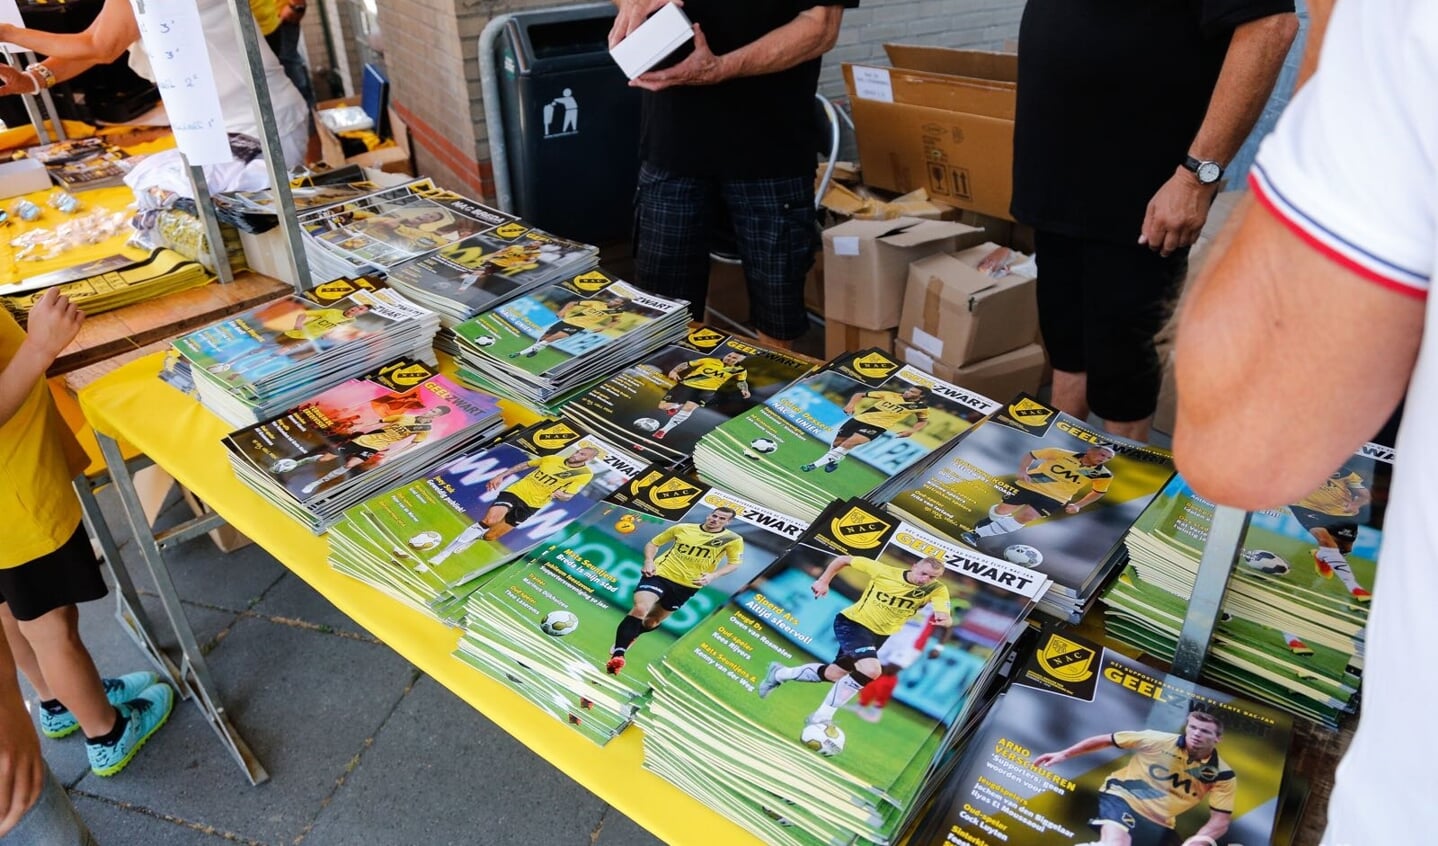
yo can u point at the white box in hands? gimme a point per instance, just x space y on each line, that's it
653 42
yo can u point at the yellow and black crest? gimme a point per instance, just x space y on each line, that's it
555 436
705 338
337 289
403 375
1064 664
874 366
1029 412
591 281
674 494
861 529
509 231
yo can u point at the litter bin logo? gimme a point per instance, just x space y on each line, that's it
561 115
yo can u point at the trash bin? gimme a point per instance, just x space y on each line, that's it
571 124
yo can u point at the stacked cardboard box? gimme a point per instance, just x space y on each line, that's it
971 326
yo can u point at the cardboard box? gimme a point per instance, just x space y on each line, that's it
22 176
396 159
939 119
814 286
227 538
999 378
957 314
866 265
840 338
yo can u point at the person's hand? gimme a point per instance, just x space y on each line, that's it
904 434
704 580
701 67
1176 213
820 589
493 484
1023 476
744 392
16 82
648 569
1048 760
1072 508
291 13
631 14
54 323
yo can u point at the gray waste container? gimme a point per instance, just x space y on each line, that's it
571 124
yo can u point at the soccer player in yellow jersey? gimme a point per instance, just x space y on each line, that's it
1048 479
691 562
884 411
697 383
1331 515
575 317
892 596
1166 775
360 447
508 261
310 326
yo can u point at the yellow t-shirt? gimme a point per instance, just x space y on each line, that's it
40 457
1060 475
889 410
710 374
695 552
1160 781
590 314
550 475
400 426
1332 497
890 600
318 321
267 15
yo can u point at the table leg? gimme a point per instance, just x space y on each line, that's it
193 666
1220 553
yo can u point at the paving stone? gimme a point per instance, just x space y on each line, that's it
114 824
292 598
204 574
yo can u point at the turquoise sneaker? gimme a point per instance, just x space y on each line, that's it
146 713
118 691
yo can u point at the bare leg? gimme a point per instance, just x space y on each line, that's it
1070 393
1134 430
24 656
69 670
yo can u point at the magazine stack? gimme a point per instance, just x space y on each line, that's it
479 272
109 283
1291 629
658 408
1087 745
343 445
578 626
541 348
252 366
778 712
1041 489
377 231
434 540
839 432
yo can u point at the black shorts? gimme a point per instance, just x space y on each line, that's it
680 394
350 449
68 576
1342 527
855 427
562 326
1044 505
671 594
519 510
855 640
1142 831
1100 306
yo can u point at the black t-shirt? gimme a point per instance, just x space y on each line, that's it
1110 96
751 127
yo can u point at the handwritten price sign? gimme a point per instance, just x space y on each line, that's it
174 41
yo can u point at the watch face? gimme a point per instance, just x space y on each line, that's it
1208 172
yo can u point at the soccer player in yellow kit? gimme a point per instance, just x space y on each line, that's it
1166 775
891 598
884 411
310 325
576 317
358 448
1331 515
690 563
508 261
1048 479
698 381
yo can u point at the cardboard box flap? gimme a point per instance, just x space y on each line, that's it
925 231
930 90
976 64
870 229
947 271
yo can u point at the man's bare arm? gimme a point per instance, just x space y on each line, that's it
809 35
1083 747
1265 311
104 40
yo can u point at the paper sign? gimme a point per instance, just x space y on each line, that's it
846 245
174 42
873 84
10 14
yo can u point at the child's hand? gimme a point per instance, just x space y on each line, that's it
54 323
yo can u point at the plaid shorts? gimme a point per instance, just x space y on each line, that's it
775 230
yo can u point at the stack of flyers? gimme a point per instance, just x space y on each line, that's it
480 272
1088 745
587 617
659 407
251 366
362 436
1039 488
840 432
377 231
1291 630
539 348
257 212
432 542
821 701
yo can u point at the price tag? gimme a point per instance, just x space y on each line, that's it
174 42
873 84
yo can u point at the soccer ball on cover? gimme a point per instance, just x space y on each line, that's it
825 738
559 623
425 540
763 446
484 340
646 424
1021 553
284 465
1265 562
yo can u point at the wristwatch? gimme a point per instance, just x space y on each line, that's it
1207 170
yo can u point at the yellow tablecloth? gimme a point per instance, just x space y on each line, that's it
133 406
116 198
